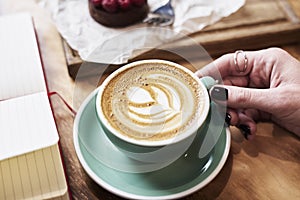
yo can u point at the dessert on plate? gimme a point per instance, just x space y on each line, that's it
118 13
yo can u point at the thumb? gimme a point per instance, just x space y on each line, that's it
239 97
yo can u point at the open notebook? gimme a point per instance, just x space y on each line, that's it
30 160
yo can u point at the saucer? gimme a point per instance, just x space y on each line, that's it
114 171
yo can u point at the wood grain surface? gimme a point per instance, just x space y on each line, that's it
266 168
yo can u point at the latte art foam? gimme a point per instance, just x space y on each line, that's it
152 101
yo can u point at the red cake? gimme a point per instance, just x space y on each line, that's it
118 13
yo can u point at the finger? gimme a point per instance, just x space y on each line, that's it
225 65
235 115
239 97
252 113
236 81
232 117
247 126
243 119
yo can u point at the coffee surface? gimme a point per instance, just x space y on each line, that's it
152 101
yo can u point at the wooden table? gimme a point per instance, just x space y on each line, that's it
266 168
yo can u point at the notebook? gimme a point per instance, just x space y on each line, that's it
30 160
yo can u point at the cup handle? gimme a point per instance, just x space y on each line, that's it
208 82
215 130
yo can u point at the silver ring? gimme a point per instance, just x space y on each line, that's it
237 67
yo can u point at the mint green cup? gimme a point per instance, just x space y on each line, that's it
163 151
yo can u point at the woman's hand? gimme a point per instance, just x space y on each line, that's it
261 86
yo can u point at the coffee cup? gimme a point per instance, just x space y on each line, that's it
148 105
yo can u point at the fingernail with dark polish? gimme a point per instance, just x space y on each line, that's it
219 93
245 130
228 119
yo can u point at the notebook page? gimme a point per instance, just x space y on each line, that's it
30 162
36 175
27 124
20 65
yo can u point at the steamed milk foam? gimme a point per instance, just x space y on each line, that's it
152 101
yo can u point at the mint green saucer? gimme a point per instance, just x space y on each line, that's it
182 177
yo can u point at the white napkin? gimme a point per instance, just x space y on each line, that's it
98 43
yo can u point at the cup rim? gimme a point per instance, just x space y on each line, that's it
155 143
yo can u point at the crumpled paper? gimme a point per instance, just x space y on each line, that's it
97 43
